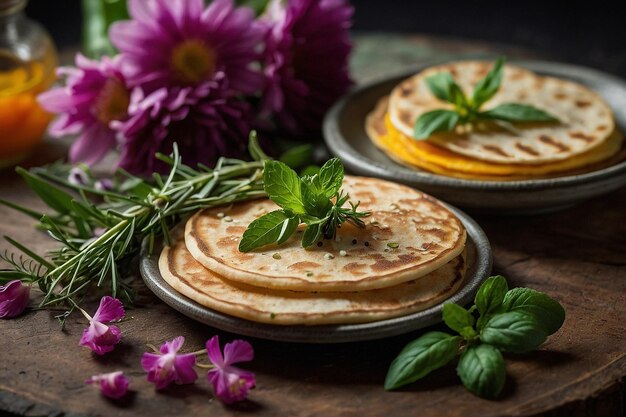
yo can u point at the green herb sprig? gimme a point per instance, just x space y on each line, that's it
315 200
468 109
516 320
100 231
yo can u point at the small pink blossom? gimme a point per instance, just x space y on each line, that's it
112 385
168 366
14 298
98 336
230 384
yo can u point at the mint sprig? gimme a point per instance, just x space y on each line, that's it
516 320
468 110
315 200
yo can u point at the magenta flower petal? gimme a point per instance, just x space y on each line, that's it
306 61
99 337
230 384
14 297
112 385
169 366
110 309
182 43
207 121
95 94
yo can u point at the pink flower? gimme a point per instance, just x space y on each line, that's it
168 367
14 298
230 384
112 385
306 61
98 336
183 43
95 94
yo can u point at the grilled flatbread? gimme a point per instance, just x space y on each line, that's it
191 279
408 235
586 121
434 158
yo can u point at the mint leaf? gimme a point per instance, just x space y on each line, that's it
513 331
486 88
514 112
482 371
315 201
329 178
545 310
423 355
491 294
282 186
456 317
274 227
435 121
312 234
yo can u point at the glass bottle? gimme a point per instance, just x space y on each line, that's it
27 67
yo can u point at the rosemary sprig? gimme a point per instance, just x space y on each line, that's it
100 230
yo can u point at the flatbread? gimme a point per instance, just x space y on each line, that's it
586 119
409 235
190 278
439 160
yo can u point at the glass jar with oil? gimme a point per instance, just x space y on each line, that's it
27 67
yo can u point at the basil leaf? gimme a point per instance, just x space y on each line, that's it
274 227
435 121
491 294
486 88
329 178
456 317
440 84
482 371
514 112
312 234
282 186
545 310
423 355
513 331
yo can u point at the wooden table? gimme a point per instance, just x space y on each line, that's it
577 256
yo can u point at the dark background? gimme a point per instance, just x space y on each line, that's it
587 32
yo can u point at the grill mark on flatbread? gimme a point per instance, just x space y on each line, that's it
405 117
308 308
495 149
556 144
303 266
560 96
583 103
526 149
581 136
602 128
406 91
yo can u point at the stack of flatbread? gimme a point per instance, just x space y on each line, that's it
410 255
584 139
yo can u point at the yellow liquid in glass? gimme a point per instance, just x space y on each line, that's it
22 121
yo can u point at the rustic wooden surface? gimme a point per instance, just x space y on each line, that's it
577 256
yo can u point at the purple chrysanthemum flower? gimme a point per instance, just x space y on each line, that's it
182 43
306 60
206 121
95 94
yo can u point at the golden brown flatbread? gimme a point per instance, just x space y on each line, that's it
191 279
408 235
586 120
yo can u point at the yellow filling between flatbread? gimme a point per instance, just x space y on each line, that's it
442 161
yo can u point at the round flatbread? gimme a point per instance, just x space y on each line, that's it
187 276
439 160
408 235
586 120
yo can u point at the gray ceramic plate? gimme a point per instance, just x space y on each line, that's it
479 268
345 135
